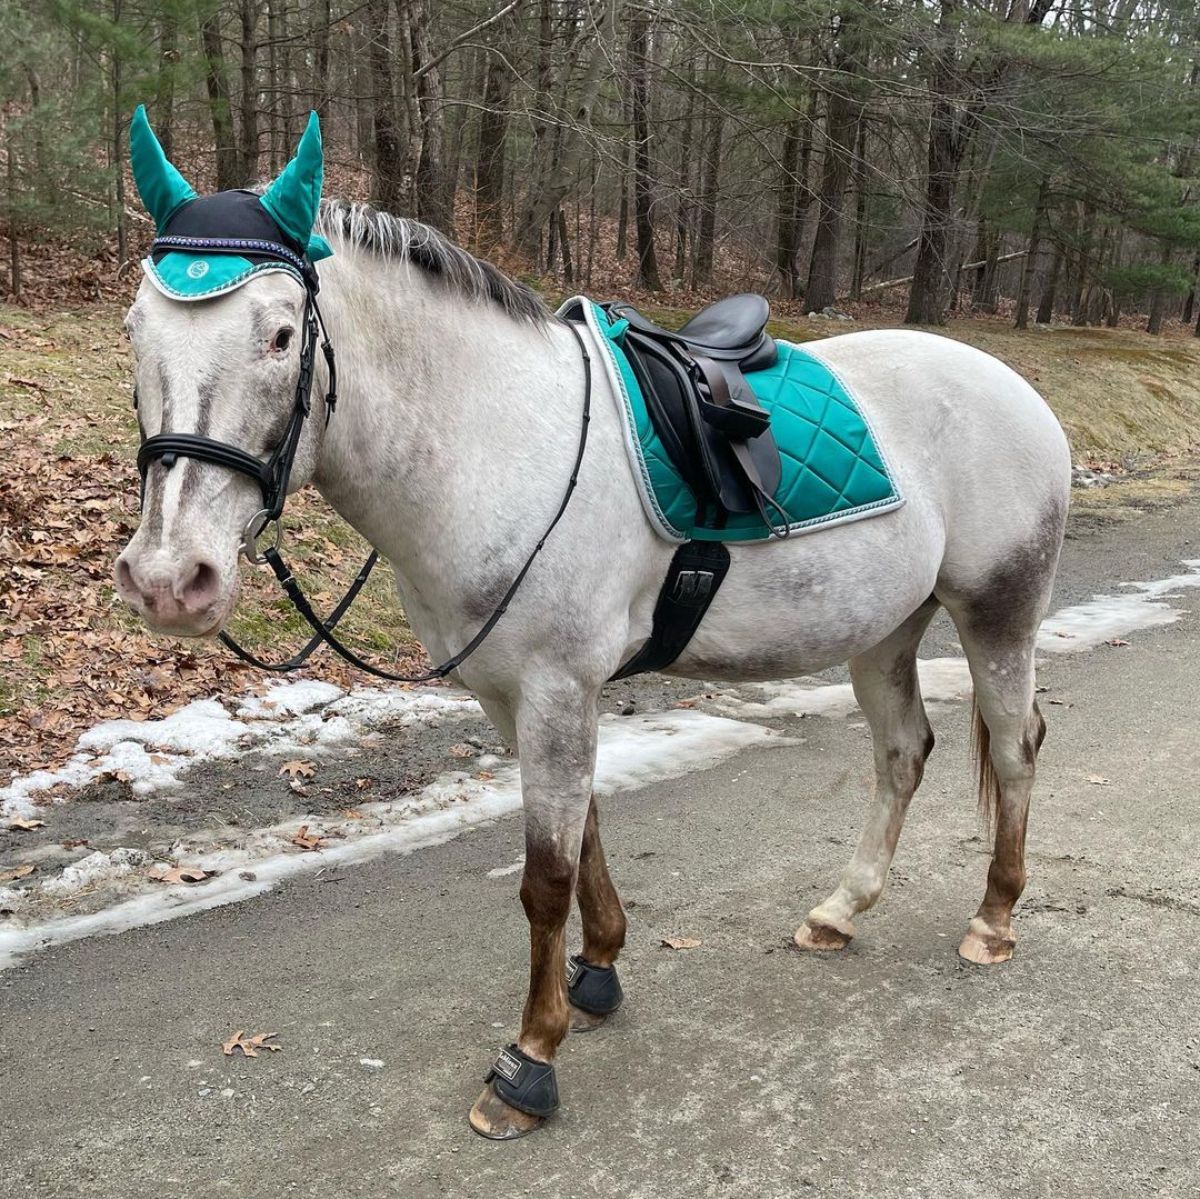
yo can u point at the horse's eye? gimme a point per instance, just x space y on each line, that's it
281 340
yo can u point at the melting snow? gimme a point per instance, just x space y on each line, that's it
152 754
633 752
1103 617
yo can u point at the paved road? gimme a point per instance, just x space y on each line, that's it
737 1069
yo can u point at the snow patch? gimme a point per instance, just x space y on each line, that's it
633 752
306 716
942 680
1103 617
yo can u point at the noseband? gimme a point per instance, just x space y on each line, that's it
273 475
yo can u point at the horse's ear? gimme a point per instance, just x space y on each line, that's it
162 188
293 199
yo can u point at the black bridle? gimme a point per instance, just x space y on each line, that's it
273 475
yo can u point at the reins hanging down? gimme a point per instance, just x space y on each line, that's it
273 475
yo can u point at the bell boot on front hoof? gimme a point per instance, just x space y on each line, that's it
594 993
520 1093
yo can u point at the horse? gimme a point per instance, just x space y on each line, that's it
457 426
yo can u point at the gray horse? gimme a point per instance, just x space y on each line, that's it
456 432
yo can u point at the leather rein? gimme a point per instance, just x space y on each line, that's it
272 477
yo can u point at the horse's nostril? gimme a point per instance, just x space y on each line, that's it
125 577
201 589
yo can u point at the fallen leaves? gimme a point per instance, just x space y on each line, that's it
1116 641
306 840
20 824
681 943
180 874
462 751
249 1045
1098 780
299 768
15 872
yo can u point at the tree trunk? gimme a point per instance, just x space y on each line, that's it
275 135
14 232
787 223
433 201
702 267
564 248
860 209
948 139
1158 302
683 204
842 110
321 57
493 131
1190 303
1032 254
217 83
1045 312
117 157
164 91
387 181
643 184
249 145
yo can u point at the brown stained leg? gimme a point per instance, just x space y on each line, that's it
600 908
546 896
990 936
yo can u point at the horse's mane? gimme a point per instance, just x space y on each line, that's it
399 237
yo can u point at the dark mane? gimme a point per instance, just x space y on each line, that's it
398 237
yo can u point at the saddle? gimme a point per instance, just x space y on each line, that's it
711 424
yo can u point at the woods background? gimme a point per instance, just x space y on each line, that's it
1032 157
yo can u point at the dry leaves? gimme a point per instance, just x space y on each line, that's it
682 942
306 840
299 768
462 751
15 872
1098 780
1117 641
249 1045
20 824
180 874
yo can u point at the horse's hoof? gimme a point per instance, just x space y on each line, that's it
582 1021
982 946
491 1117
823 937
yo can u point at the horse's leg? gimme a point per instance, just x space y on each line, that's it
998 625
1008 730
556 733
594 980
888 691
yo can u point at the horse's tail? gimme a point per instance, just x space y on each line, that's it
989 781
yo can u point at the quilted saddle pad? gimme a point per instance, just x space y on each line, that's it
834 470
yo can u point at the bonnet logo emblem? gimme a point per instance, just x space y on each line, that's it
198 269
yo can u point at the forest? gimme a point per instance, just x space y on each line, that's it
1033 159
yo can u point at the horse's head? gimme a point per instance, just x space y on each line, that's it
220 327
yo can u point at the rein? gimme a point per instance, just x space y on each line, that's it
273 475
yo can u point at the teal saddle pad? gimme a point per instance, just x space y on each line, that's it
833 469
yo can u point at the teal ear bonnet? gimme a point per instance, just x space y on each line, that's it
209 245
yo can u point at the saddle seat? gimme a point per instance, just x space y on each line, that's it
733 328
705 413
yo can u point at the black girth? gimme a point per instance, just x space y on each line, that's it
272 476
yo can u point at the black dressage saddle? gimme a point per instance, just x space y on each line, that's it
711 424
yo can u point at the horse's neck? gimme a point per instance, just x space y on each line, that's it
445 434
